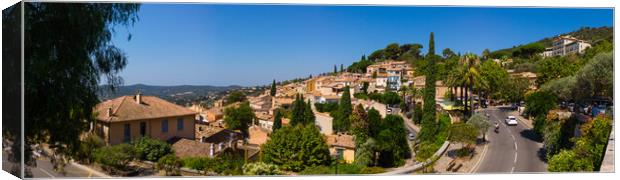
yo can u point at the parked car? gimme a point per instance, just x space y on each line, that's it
389 110
511 120
411 136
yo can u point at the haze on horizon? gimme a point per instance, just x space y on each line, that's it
249 45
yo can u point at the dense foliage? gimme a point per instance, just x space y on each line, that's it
239 118
64 67
481 123
227 163
301 112
117 157
170 164
341 122
87 147
151 149
588 151
429 127
326 107
261 168
295 148
235 96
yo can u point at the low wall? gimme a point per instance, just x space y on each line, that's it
419 166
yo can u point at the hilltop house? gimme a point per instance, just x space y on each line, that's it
127 117
564 45
342 146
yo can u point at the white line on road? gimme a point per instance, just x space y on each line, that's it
44 171
515 145
512 170
515 158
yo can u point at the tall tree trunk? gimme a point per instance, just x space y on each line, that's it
466 100
471 104
479 99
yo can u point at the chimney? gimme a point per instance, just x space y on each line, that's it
109 111
139 97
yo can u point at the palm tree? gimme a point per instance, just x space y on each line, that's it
470 74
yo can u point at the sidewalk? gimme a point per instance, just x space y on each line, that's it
461 165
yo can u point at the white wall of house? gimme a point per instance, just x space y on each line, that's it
324 122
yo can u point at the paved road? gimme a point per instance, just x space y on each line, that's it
513 149
45 169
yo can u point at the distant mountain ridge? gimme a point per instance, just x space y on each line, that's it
165 92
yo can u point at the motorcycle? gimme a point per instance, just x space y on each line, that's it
496 128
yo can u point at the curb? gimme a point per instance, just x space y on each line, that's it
418 166
85 168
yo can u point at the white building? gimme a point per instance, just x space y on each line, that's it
564 45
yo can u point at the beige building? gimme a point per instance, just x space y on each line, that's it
342 146
125 118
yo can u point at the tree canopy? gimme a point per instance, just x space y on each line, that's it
296 148
68 49
239 118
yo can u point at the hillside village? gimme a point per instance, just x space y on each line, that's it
403 109
201 131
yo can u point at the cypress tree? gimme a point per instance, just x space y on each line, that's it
341 68
297 115
335 69
428 118
273 88
359 125
345 108
309 117
431 45
277 121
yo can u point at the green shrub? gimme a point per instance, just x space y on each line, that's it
347 168
326 107
198 163
116 157
227 163
316 170
87 146
151 149
372 170
170 164
261 168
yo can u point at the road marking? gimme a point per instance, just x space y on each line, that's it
515 158
515 145
483 154
44 171
512 170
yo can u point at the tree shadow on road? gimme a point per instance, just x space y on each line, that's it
542 154
531 135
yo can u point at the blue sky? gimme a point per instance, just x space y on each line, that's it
206 44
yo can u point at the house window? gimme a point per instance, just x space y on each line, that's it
143 128
340 153
164 126
180 124
127 132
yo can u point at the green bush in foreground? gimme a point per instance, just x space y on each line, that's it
116 157
170 164
151 149
261 168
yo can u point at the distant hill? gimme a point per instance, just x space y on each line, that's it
179 94
590 34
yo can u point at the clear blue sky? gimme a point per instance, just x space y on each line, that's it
206 44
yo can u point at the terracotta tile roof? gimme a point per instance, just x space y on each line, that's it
341 140
258 135
126 108
223 136
189 148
